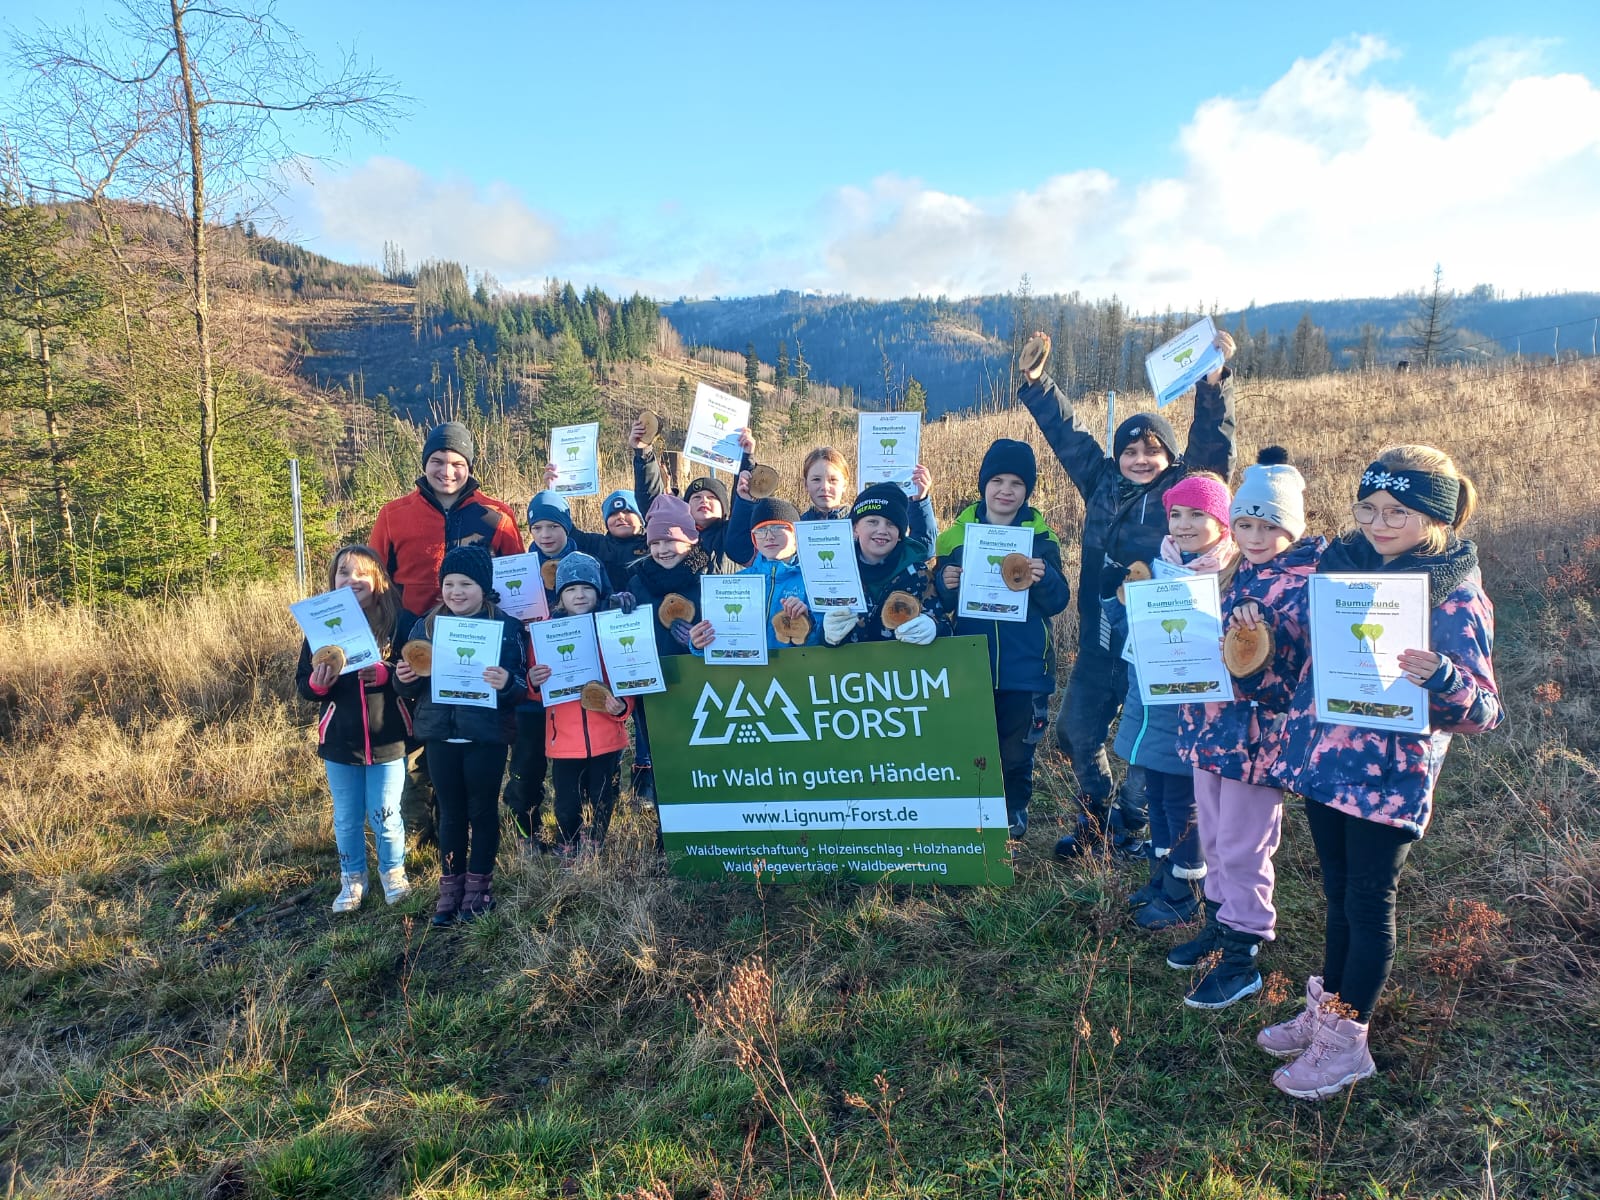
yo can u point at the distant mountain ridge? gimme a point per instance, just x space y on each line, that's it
961 350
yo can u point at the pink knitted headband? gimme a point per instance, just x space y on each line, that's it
1196 491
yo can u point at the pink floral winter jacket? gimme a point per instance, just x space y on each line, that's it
1241 739
1390 777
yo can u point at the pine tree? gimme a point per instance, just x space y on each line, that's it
780 373
1431 330
752 384
915 398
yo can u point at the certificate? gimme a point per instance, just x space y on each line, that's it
736 606
983 595
569 647
1160 568
887 447
1174 366
628 649
463 648
575 451
335 619
828 565
1359 626
521 587
714 427
1175 627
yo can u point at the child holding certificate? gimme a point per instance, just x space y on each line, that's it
583 744
1123 525
467 744
1022 658
361 737
789 621
1369 792
902 602
1234 744
1198 543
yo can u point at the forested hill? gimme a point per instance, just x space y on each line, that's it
960 350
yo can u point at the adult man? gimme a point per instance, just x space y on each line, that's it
411 536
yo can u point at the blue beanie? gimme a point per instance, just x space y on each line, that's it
620 501
578 567
549 506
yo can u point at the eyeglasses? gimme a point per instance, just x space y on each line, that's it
771 532
1393 518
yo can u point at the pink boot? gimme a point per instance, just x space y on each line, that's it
1336 1058
1293 1036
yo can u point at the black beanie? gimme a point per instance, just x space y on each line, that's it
1143 425
452 435
887 500
1009 457
707 484
473 562
765 512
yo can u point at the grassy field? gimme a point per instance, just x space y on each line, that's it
181 1016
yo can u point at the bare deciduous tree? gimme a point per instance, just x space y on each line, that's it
191 107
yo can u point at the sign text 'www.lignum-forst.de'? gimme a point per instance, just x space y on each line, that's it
869 762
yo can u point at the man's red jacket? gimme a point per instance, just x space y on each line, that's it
412 534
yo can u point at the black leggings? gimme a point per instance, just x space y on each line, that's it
525 782
1020 719
466 778
1361 863
579 779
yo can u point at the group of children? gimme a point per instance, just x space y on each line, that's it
1214 775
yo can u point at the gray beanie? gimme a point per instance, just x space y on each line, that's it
452 435
1272 490
578 567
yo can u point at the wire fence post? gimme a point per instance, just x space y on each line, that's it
299 526
1111 419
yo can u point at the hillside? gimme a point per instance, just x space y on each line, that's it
181 1017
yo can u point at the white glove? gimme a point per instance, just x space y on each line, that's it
919 631
837 624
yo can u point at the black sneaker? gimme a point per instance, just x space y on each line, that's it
1087 838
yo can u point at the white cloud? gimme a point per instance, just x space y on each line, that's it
1326 183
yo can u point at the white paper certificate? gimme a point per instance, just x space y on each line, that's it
569 647
714 425
887 447
335 619
736 606
521 587
1174 366
983 595
1175 627
1359 626
463 648
575 451
828 565
628 648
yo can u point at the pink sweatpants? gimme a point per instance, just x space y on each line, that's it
1240 827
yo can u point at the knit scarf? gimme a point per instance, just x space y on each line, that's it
677 578
1214 561
1446 570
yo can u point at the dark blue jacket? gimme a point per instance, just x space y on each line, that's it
1123 523
440 722
1022 654
742 548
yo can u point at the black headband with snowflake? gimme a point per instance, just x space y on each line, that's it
1425 491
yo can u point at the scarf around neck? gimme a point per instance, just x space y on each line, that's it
1212 562
1446 570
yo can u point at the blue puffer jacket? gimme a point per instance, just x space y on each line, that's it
1389 777
741 547
1122 522
1241 739
1022 654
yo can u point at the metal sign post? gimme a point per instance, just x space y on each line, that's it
299 526
1111 419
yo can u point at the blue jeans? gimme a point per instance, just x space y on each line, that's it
367 795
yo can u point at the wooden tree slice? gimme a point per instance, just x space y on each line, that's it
418 653
1017 571
674 608
596 697
1138 573
764 481
791 631
900 607
1246 651
651 424
547 572
1034 353
330 656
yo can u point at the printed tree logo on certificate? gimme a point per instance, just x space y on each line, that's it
465 654
1367 637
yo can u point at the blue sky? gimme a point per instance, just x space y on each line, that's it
1171 153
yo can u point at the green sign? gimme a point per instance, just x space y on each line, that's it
871 762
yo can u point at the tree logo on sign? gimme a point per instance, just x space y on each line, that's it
745 719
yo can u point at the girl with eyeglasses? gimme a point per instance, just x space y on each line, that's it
1369 793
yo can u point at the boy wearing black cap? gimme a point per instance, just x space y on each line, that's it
1124 522
1022 658
889 562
